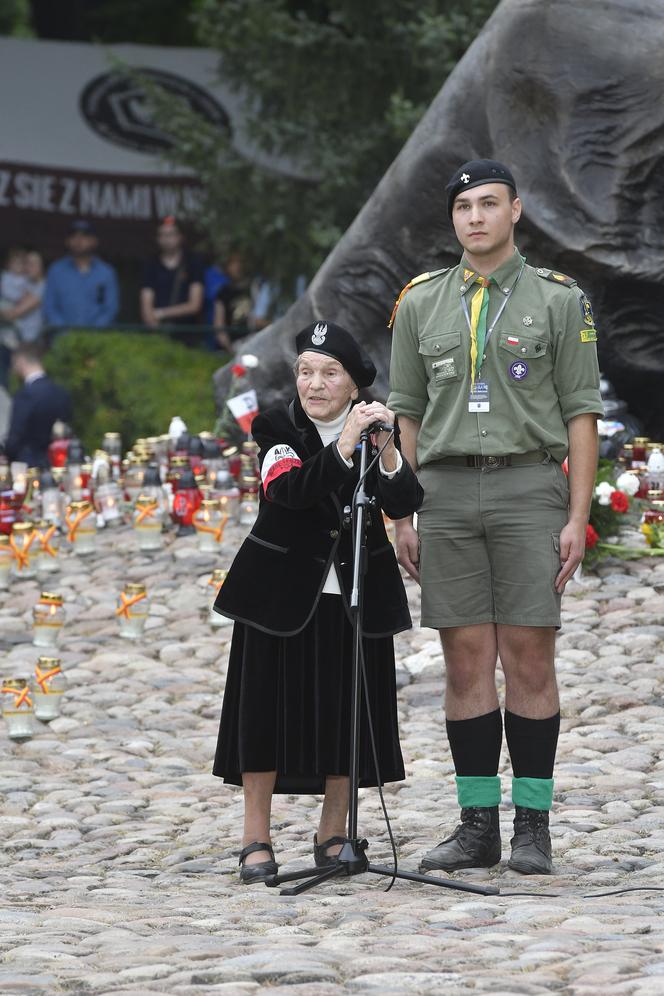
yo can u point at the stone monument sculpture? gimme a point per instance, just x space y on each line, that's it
570 96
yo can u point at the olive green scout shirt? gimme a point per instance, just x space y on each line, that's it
540 363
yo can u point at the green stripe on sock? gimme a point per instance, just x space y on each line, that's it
478 791
533 793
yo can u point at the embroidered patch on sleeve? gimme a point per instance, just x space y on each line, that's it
586 310
279 460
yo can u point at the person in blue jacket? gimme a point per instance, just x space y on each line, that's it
81 289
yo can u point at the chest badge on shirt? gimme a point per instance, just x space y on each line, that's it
519 370
444 369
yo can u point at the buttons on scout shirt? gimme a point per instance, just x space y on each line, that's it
484 432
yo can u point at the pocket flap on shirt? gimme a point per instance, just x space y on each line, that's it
523 346
441 342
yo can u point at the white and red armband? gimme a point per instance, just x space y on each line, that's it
278 460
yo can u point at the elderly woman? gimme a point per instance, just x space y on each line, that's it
285 721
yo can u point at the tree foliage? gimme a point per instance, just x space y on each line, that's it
132 383
331 90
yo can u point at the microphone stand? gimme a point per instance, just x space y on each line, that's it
352 859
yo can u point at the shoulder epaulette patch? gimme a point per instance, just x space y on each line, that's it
421 279
555 277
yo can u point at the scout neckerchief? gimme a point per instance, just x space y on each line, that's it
476 318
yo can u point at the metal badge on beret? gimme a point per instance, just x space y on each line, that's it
475 173
333 340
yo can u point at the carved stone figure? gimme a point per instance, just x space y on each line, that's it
569 96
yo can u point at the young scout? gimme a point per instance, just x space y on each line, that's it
495 379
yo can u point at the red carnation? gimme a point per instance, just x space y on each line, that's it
238 370
591 537
619 501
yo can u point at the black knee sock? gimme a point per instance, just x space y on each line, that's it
475 744
532 744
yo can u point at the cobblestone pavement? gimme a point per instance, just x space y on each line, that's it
120 848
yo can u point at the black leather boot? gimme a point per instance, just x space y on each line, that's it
474 844
531 843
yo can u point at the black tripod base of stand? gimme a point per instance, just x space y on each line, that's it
352 860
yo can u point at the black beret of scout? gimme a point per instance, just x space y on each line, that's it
474 174
332 340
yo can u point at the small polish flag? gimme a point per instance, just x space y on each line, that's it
244 408
513 340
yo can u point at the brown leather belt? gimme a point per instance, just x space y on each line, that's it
513 460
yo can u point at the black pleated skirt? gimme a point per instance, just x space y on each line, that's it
287 705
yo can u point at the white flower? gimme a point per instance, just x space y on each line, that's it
603 493
177 427
629 483
249 361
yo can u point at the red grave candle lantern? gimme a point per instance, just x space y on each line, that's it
186 501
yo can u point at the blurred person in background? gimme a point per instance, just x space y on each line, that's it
172 289
26 313
35 407
81 290
13 287
242 305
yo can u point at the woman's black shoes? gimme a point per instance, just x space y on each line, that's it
262 869
321 857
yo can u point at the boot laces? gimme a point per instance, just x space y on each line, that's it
533 822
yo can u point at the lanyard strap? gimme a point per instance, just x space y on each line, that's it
496 319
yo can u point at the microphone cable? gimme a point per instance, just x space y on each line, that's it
365 686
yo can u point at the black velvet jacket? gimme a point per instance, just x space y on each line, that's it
276 579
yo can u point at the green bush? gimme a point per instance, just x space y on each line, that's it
132 383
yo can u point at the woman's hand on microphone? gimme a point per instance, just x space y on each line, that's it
362 416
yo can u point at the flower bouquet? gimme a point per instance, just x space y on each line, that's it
614 507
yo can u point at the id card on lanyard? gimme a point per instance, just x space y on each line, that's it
479 399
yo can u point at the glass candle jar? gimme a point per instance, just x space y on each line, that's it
133 478
248 509
81 527
153 487
48 617
229 501
22 542
48 687
6 561
177 467
19 472
17 708
147 520
639 450
112 445
52 499
8 511
232 457
132 611
186 500
217 578
48 540
209 522
109 503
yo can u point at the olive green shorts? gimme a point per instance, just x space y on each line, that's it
490 544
